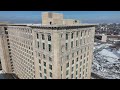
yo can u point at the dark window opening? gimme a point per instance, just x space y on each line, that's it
50 23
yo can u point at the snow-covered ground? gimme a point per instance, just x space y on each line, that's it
106 63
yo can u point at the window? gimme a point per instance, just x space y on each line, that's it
66 45
45 77
80 69
84 60
72 61
45 71
72 54
67 65
61 35
38 44
76 42
76 66
50 59
84 55
85 32
40 74
37 36
81 34
72 76
40 67
67 72
84 40
49 46
66 36
50 67
87 53
43 38
81 57
83 72
43 45
39 61
39 54
81 50
85 49
77 34
86 70
43 56
67 57
86 64
80 41
88 47
72 68
77 60
77 52
49 37
45 64
80 75
50 74
87 59
84 67
72 44
61 68
80 63
76 72
72 36
6 32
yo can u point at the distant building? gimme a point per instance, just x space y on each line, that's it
52 50
113 37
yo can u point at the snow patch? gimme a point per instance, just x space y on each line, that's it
105 62
108 53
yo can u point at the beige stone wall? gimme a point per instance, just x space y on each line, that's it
63 53
21 44
4 53
70 21
55 18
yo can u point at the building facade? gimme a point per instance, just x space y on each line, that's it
5 50
64 52
51 51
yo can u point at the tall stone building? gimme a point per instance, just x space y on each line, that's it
52 50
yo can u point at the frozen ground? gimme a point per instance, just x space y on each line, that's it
106 63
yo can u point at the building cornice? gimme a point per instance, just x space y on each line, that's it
55 27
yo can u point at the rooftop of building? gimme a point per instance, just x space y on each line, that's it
63 26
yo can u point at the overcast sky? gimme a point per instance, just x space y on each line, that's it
83 16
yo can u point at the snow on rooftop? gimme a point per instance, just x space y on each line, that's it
105 52
105 62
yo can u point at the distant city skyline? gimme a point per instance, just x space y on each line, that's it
83 16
